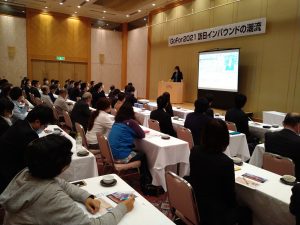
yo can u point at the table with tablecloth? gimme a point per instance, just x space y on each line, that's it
273 117
259 129
270 201
162 154
143 213
257 155
142 116
80 167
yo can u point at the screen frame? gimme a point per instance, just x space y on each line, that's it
238 75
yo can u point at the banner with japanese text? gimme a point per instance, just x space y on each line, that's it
246 28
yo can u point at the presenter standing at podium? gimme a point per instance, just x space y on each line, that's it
177 75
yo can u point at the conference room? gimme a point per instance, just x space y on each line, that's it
149 112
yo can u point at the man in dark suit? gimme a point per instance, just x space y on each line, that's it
81 112
14 141
177 75
238 116
75 92
164 119
198 119
287 141
35 89
97 93
210 99
6 108
295 203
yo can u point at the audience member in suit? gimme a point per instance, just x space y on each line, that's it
169 108
39 187
53 89
5 90
210 99
113 97
177 75
100 122
21 104
14 141
97 93
45 96
83 88
287 141
213 180
164 119
35 89
81 111
295 202
6 112
75 92
46 82
238 116
130 95
61 103
120 101
56 82
196 120
27 88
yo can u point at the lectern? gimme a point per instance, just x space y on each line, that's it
174 88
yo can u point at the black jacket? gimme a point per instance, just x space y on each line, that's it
13 144
178 78
35 92
295 203
239 117
195 122
96 97
213 180
165 122
3 126
81 114
285 143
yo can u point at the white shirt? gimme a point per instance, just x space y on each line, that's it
102 124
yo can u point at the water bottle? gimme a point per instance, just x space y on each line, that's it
78 143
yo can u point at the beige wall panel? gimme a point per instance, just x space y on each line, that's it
66 71
52 71
38 70
13 34
80 71
110 75
269 63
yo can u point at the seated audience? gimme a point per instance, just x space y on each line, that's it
81 111
164 119
111 89
56 82
295 202
46 82
45 96
51 94
38 196
238 116
100 122
75 92
27 88
113 97
83 88
5 90
14 141
287 141
130 95
197 120
210 99
121 139
168 108
97 93
21 104
61 103
213 180
6 112
120 101
35 89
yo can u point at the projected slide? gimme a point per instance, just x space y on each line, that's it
218 70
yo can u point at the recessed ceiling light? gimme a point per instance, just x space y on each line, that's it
46 7
61 3
153 4
139 10
87 0
5 0
104 11
103 17
127 15
145 19
23 11
78 6
107 24
75 12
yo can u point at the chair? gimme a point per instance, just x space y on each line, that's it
278 164
186 135
55 114
38 101
109 160
182 199
68 121
80 131
153 124
231 126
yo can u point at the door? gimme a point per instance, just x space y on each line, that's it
80 71
38 70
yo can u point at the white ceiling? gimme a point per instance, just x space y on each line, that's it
110 10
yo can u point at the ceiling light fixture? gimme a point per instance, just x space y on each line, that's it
139 10
46 7
104 11
153 4
145 19
103 17
127 15
75 12
61 3
78 6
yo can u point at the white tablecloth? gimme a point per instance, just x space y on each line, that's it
258 130
143 213
81 167
273 117
257 155
163 153
270 201
142 116
178 111
237 146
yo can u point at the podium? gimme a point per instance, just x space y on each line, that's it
174 88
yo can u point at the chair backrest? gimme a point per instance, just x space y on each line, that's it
186 135
38 101
153 124
113 112
182 199
278 164
105 149
55 114
80 130
67 119
231 126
